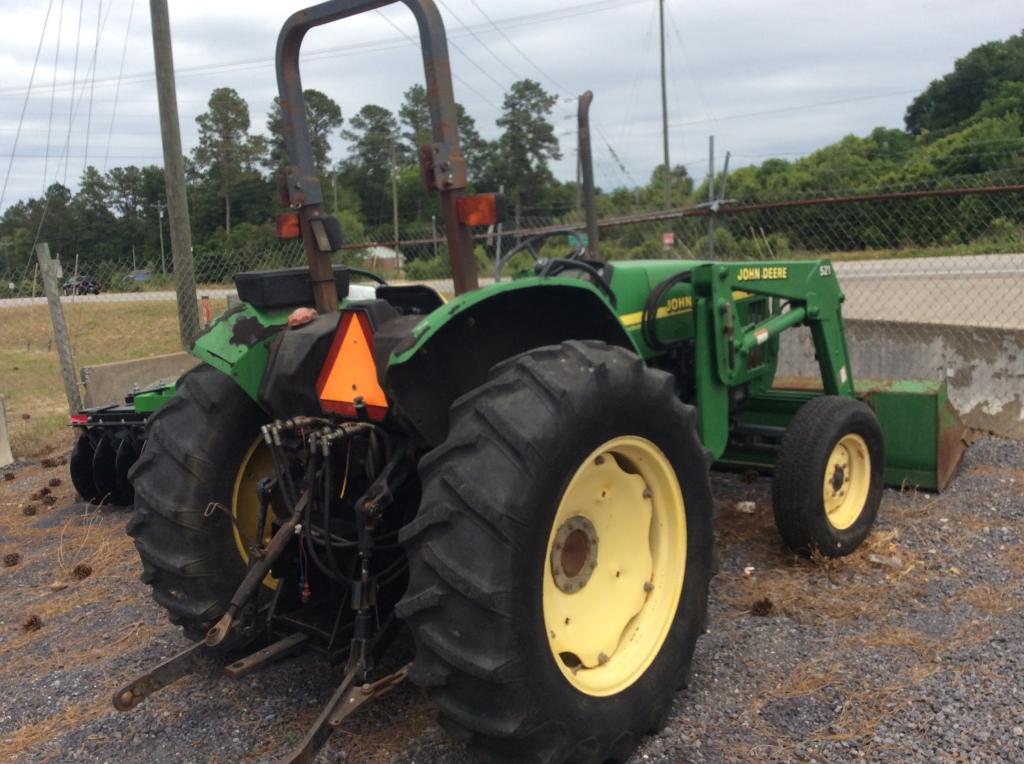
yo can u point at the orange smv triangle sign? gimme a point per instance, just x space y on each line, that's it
350 375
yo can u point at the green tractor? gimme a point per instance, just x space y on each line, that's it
519 476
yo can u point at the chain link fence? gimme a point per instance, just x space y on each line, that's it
938 263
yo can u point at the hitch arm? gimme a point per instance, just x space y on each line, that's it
190 658
171 670
216 635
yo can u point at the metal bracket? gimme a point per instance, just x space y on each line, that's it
171 670
356 697
282 648
346 700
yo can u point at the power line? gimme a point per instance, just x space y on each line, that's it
72 110
456 77
67 144
785 109
53 91
708 111
477 38
117 90
380 45
24 105
634 87
615 157
519 50
92 85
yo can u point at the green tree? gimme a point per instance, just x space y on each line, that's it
95 231
374 134
1008 98
414 115
975 78
680 186
226 150
324 117
376 148
527 143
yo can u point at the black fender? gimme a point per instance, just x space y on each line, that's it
467 337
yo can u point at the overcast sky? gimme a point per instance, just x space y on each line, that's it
777 78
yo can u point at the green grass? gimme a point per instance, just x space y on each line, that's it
30 378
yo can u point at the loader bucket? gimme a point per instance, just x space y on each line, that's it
924 437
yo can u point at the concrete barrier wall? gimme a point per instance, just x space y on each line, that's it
111 382
983 368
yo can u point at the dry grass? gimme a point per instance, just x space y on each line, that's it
843 589
47 593
34 735
872 663
30 376
867 698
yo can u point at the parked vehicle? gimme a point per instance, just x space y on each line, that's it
137 277
81 285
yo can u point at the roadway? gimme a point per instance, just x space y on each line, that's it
978 290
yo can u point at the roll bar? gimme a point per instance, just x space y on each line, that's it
444 168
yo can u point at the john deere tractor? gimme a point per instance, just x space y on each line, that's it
518 476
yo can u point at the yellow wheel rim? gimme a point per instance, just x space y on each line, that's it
614 568
245 503
847 481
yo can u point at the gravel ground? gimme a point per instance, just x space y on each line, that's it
906 651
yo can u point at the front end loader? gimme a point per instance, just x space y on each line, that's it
518 476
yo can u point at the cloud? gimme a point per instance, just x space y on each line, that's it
785 62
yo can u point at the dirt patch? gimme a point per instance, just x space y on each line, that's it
872 656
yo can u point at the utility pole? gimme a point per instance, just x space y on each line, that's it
160 222
664 109
174 175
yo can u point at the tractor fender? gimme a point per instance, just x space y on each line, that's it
434 361
238 344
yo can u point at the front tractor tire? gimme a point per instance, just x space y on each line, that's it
201 451
829 477
560 561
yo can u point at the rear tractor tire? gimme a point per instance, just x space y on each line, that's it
829 477
202 448
560 561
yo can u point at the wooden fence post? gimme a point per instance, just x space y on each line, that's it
60 329
6 457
